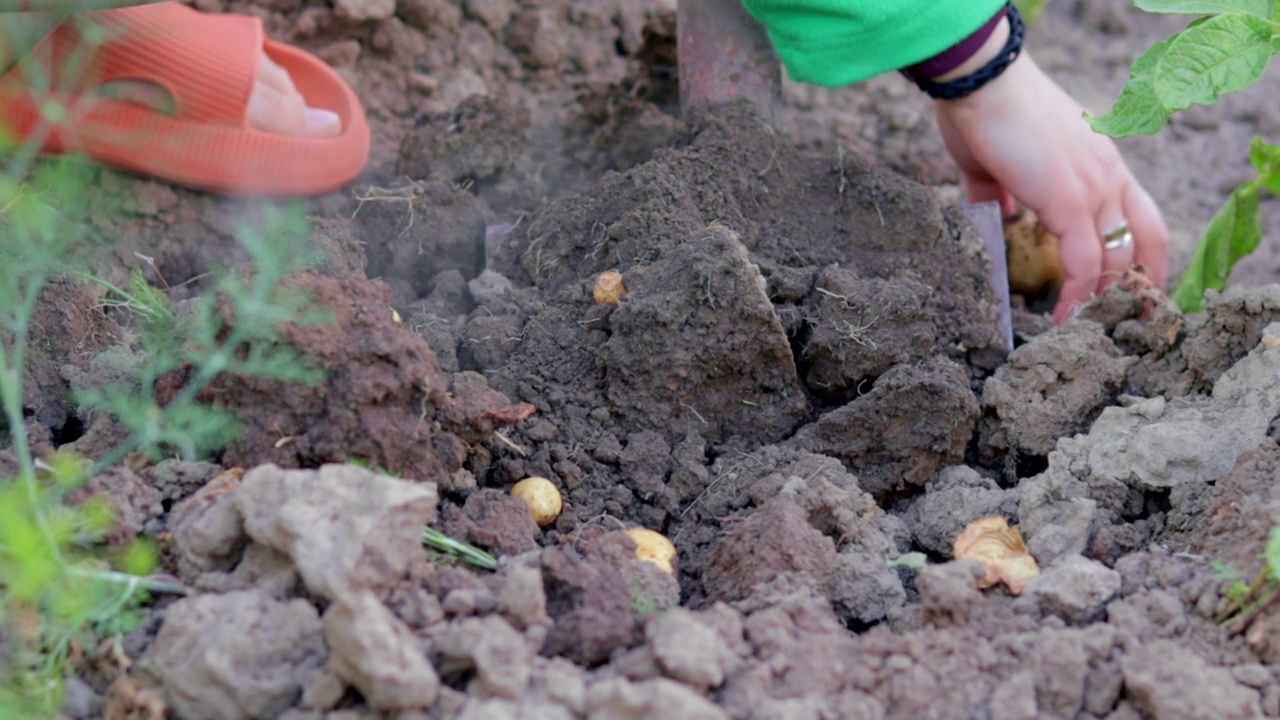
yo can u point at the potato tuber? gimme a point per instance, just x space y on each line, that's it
1001 549
542 497
1034 265
655 548
609 288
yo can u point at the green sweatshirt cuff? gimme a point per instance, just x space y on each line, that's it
841 42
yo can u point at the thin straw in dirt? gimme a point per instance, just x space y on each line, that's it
469 554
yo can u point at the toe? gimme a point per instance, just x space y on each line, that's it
271 74
277 107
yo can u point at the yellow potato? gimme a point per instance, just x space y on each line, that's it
1032 254
608 288
542 497
1001 549
655 548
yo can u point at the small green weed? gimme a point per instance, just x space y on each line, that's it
1249 600
207 344
1225 49
458 550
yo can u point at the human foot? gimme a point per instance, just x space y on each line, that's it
275 105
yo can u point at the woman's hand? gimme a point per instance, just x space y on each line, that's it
1022 139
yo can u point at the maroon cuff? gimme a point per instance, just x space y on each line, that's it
957 54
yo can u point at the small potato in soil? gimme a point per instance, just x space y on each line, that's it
655 548
542 497
609 288
1034 265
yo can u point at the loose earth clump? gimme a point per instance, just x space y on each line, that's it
796 379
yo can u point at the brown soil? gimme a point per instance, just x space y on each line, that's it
802 386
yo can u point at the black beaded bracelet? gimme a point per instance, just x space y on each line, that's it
969 84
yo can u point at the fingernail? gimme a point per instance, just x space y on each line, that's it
322 123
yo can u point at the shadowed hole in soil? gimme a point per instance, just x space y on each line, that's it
70 431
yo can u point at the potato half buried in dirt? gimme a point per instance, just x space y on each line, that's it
608 288
1034 266
542 497
655 548
1001 549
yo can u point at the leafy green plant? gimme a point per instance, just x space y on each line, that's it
60 588
55 591
1225 49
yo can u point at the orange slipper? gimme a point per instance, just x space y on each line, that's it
209 65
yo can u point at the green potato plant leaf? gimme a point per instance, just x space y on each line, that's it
1233 233
1223 50
1259 8
1272 553
1138 110
1223 54
1266 160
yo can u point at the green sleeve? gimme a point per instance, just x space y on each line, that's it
841 42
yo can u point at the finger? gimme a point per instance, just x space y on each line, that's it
1080 251
1115 260
1151 235
1008 204
984 189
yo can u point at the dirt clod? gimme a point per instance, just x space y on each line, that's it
916 420
1167 681
237 656
345 528
383 388
1075 589
590 603
493 520
376 653
1053 386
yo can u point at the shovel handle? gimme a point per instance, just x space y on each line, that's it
725 55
